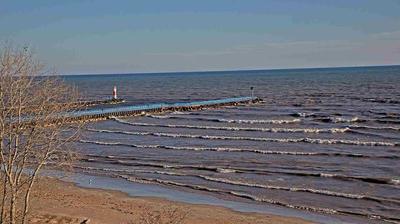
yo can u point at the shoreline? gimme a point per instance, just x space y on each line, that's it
59 201
191 198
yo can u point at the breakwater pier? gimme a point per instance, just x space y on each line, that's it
121 111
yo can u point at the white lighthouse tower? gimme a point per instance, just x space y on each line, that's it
114 95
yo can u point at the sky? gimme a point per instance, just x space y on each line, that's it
124 36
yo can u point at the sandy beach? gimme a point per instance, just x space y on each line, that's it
200 112
55 201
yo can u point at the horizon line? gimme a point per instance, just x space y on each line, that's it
230 70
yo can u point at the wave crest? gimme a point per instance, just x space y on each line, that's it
248 150
273 130
287 121
280 140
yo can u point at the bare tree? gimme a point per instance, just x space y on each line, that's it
34 128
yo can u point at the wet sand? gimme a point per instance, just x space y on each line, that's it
56 201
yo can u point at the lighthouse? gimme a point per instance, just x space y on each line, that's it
114 94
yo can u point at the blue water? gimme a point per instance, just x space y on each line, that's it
325 141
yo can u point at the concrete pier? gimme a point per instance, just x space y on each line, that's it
121 111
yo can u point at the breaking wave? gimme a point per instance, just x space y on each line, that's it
348 120
274 130
341 120
298 189
254 185
280 140
233 193
225 149
252 197
374 180
217 169
356 120
288 121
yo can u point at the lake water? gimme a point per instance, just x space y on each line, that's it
325 140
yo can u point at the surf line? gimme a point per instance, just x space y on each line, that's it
255 185
278 140
273 130
246 196
238 150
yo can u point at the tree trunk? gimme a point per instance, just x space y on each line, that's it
27 195
3 201
12 207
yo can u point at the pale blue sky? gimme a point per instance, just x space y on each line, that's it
98 36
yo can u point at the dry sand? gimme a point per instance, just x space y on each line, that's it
55 201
